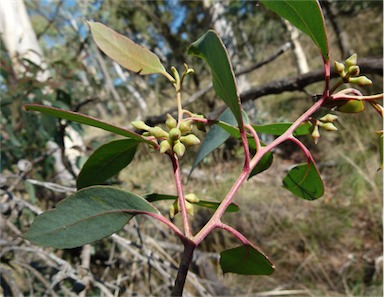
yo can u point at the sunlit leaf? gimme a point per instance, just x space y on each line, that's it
351 106
106 162
246 260
124 51
210 48
304 181
306 16
153 197
86 216
84 119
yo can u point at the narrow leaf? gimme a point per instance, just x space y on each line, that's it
304 181
279 128
306 16
246 260
211 49
106 162
84 119
124 51
86 216
215 137
153 197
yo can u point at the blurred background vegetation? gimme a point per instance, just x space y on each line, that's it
329 247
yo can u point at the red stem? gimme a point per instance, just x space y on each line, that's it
180 196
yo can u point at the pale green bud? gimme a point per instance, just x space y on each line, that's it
158 132
174 134
140 125
173 209
329 118
179 148
354 71
192 198
189 208
340 68
165 146
351 61
361 81
176 74
185 126
170 121
316 134
190 140
328 126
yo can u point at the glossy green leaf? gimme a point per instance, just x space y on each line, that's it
215 137
106 162
86 216
124 51
264 163
304 181
279 128
246 260
211 49
84 119
153 197
306 16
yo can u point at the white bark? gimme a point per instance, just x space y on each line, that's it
21 42
19 37
300 58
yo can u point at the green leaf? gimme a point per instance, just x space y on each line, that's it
246 260
106 162
124 51
153 197
306 16
86 216
350 106
304 181
264 163
279 129
211 49
215 137
84 119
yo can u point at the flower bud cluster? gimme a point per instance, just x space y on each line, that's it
175 140
189 200
325 122
350 71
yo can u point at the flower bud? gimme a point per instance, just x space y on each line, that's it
174 134
316 134
190 140
192 198
354 71
170 121
173 209
351 61
164 146
189 208
328 118
179 148
140 125
158 132
361 81
340 68
185 126
328 126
